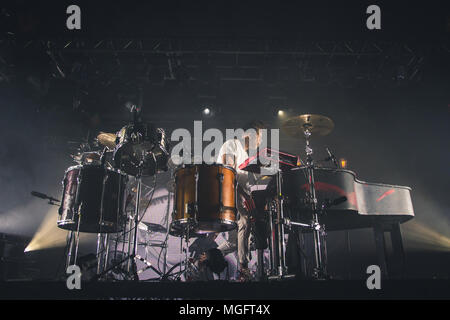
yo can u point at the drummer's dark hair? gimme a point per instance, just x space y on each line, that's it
256 124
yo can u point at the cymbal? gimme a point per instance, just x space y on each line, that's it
316 124
107 139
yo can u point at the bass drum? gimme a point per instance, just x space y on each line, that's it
94 196
205 199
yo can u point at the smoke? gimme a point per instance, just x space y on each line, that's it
48 235
430 229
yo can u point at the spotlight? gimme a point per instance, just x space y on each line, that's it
208 112
280 113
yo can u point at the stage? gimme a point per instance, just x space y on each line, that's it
219 290
180 151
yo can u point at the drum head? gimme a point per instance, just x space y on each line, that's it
142 150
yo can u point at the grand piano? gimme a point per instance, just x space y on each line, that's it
366 205
359 204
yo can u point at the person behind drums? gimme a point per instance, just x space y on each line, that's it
233 153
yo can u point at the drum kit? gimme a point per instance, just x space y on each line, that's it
99 189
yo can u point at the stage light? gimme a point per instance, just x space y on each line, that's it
281 113
208 112
48 235
421 236
343 163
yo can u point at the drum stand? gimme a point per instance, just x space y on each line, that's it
187 263
277 245
132 240
278 222
74 237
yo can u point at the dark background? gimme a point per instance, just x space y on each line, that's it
386 90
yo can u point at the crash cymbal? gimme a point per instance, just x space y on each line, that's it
316 124
107 139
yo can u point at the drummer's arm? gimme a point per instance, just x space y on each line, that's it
247 201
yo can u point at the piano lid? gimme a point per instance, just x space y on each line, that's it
367 203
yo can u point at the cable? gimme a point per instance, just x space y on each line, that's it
165 220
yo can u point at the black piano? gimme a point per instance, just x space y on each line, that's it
366 205
382 207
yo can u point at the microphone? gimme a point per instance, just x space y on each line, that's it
43 196
328 204
338 201
38 194
331 157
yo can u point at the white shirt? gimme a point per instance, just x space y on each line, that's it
234 148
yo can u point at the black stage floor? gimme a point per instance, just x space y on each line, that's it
273 290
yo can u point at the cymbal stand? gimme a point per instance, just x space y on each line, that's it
317 228
277 246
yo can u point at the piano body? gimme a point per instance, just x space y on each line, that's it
367 204
382 207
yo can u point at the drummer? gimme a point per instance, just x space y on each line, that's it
233 153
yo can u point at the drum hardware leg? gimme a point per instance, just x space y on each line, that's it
167 236
320 271
77 208
220 178
102 252
77 240
102 209
136 216
116 244
197 177
280 228
272 238
319 245
107 244
132 256
130 224
186 255
70 240
99 252
181 253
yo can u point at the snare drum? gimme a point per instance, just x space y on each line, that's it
94 196
205 199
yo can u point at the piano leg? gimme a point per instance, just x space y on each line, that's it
349 254
380 245
397 248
